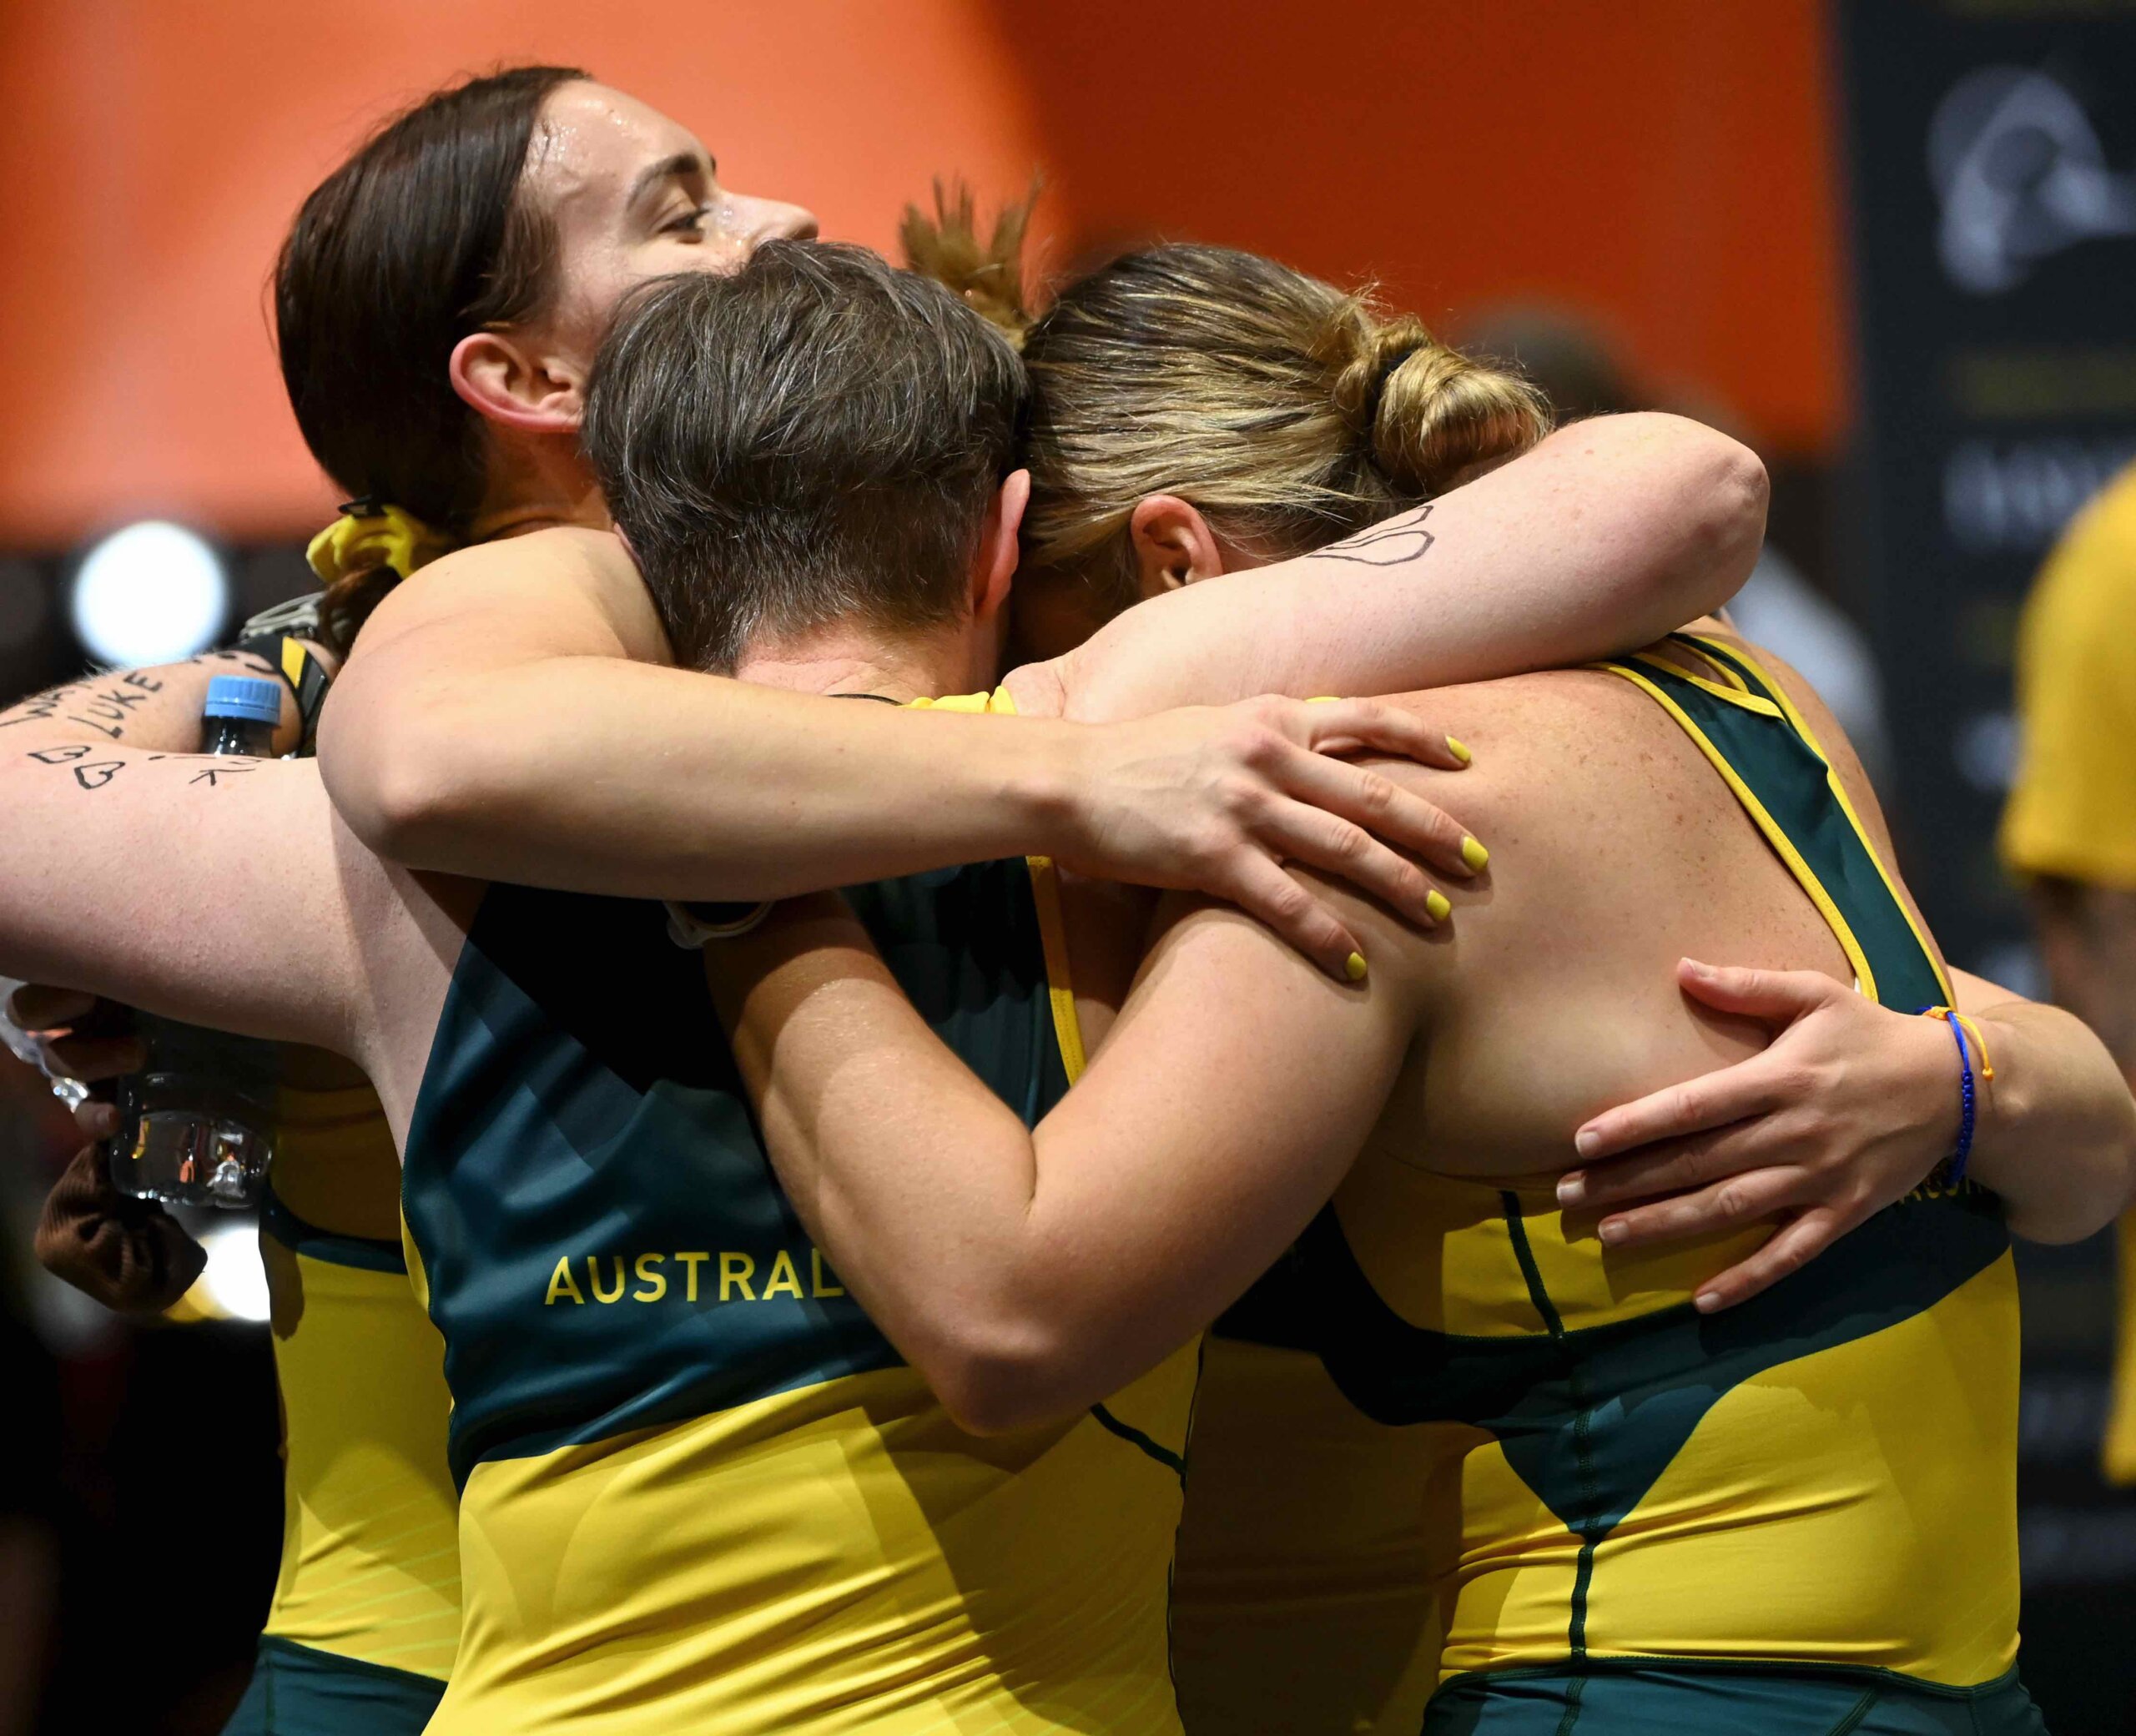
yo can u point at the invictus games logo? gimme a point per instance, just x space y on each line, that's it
2021 175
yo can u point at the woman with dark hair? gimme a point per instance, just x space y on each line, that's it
439 296
406 297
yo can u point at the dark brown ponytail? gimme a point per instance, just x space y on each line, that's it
421 237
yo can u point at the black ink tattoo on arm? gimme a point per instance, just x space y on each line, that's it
40 708
104 703
1389 545
97 774
228 765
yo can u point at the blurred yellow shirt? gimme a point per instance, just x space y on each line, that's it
2073 812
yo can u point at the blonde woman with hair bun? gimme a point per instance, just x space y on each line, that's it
1286 413
1194 409
1197 409
1481 1451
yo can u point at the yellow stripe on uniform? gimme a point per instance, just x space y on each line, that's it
370 1557
1045 893
1838 786
620 1587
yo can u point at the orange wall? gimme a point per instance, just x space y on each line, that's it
1662 162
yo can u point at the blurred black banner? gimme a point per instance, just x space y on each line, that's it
1991 148
1992 151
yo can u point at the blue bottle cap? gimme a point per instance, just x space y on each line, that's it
244 695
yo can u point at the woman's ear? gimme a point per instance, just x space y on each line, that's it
1173 545
994 563
503 379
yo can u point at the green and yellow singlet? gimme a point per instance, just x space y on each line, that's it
366 1616
1448 1441
1304 1603
700 1490
1819 1479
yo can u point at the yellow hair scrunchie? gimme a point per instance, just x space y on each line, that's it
355 539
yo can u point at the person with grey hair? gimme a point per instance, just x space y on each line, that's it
1028 1271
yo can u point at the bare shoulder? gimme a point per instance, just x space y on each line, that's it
1570 769
578 587
1568 730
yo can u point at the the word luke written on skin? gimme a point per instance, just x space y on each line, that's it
736 1275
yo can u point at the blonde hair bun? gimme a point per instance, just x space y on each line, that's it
1426 413
988 276
1289 413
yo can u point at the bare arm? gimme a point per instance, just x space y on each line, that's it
2087 941
2056 1134
156 709
203 888
1610 534
1027 1275
2056 1130
512 712
508 714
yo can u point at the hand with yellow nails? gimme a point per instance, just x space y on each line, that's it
1242 794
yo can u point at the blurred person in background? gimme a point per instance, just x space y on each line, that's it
2070 826
1777 606
30 1445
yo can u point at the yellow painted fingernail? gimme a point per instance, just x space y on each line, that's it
1460 750
1475 855
1324 699
1355 965
1436 904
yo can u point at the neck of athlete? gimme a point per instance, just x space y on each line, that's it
852 658
536 482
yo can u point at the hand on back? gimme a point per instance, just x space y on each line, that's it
1218 799
1849 1110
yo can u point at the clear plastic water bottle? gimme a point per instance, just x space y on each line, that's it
28 1047
196 1121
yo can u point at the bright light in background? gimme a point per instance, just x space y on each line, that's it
234 1279
153 593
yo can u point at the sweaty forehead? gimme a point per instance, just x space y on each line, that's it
591 142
